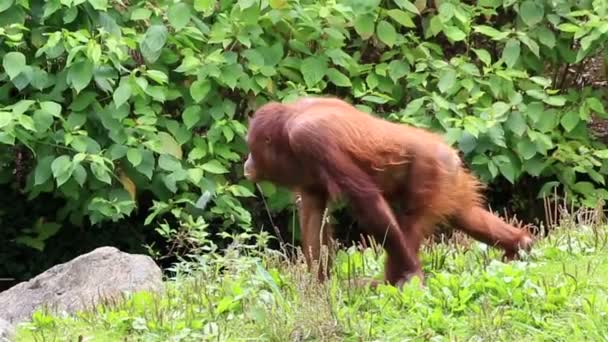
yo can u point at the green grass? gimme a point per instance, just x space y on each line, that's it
557 293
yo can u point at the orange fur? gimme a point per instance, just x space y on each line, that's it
325 148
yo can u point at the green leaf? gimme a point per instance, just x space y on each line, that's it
122 93
546 37
80 74
244 4
602 154
23 79
454 33
375 99
205 6
557 101
241 191
51 108
548 188
147 165
493 169
516 123
570 120
530 44
268 188
141 14
548 121
5 118
507 169
272 54
511 52
117 151
7 137
407 5
584 112
364 25
197 153
440 102
94 52
535 165
386 33
51 7
397 69
191 116
490 32
483 56
99 5
42 120
543 81
26 122
371 80
497 135
451 135
179 15
169 163
526 149
595 104
134 156
43 170
153 42
195 175
228 133
313 69
188 65
467 142
40 79
13 63
199 89
596 176
584 188
82 143
5 4
168 145
78 158
435 26
338 78
413 106
82 101
80 174
214 166
446 11
142 83
158 76
531 12
231 75
22 106
500 108
101 172
536 93
402 18
109 24
568 27
446 80
62 169
255 58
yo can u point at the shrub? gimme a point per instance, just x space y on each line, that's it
118 99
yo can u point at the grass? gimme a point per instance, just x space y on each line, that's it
559 292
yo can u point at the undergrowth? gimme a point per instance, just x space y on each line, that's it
556 292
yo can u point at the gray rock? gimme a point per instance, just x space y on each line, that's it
6 331
86 280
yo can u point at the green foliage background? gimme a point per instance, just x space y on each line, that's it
103 103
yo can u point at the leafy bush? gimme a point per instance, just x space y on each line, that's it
118 99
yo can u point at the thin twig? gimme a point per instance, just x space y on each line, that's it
276 229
